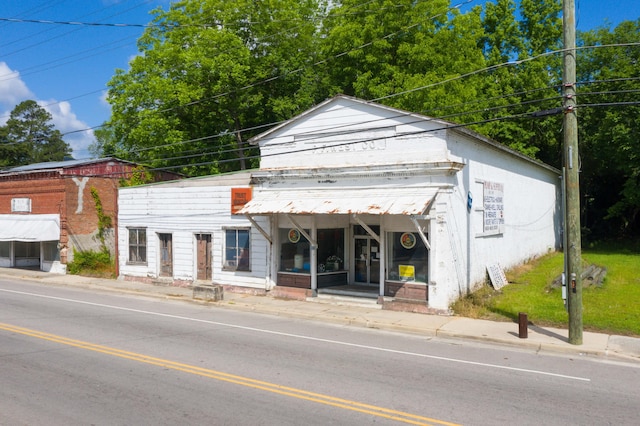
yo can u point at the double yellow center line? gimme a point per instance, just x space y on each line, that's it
231 378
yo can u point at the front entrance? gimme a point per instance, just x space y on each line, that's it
366 260
166 255
203 250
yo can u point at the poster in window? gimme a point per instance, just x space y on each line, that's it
294 235
407 272
408 240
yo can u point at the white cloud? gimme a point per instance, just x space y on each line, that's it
12 88
13 91
76 131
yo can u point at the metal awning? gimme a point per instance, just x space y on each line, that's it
37 227
377 201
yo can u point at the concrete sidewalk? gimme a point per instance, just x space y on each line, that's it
345 311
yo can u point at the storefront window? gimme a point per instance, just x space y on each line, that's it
50 251
330 250
5 248
27 249
294 251
407 257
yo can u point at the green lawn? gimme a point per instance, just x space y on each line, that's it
613 307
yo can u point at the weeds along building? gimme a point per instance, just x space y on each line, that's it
351 198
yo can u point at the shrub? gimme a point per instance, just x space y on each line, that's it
92 263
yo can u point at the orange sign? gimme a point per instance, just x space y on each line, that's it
239 197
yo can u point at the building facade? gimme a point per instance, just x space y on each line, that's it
413 208
186 232
352 197
48 210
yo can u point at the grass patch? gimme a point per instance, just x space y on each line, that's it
609 308
92 264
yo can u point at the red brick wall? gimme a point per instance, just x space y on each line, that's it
52 194
46 194
82 217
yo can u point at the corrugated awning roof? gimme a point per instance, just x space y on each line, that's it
389 201
40 227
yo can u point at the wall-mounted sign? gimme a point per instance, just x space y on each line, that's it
294 235
408 240
21 205
239 197
493 199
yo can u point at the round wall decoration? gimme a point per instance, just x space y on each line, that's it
294 235
408 240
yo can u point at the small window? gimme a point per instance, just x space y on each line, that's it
137 245
236 253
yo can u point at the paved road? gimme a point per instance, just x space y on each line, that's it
70 356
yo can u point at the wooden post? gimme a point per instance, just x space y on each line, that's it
572 251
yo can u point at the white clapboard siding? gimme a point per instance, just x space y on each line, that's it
183 209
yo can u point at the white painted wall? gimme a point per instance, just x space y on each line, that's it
185 208
349 139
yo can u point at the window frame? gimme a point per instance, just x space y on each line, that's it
137 245
235 264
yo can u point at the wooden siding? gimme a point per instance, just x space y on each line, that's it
184 209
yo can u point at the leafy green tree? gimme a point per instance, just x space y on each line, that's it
609 129
522 47
29 137
381 48
210 73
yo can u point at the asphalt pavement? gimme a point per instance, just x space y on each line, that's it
354 312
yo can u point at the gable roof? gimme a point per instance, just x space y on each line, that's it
443 125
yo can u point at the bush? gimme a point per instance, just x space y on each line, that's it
92 263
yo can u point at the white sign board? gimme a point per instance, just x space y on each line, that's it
21 205
497 276
493 200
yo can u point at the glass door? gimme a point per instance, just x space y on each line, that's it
367 260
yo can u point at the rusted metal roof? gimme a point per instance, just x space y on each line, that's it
378 201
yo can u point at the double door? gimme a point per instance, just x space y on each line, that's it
367 260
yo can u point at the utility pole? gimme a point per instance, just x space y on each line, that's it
573 250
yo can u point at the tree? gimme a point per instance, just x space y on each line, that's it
609 130
29 137
380 49
428 57
210 74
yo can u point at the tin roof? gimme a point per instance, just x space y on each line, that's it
377 201
58 165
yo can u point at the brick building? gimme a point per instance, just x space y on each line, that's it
49 209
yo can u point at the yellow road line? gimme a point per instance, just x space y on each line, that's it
230 378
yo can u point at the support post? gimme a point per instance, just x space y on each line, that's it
573 250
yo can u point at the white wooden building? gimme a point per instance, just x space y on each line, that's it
184 232
353 196
416 209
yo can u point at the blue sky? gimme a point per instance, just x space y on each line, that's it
66 67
